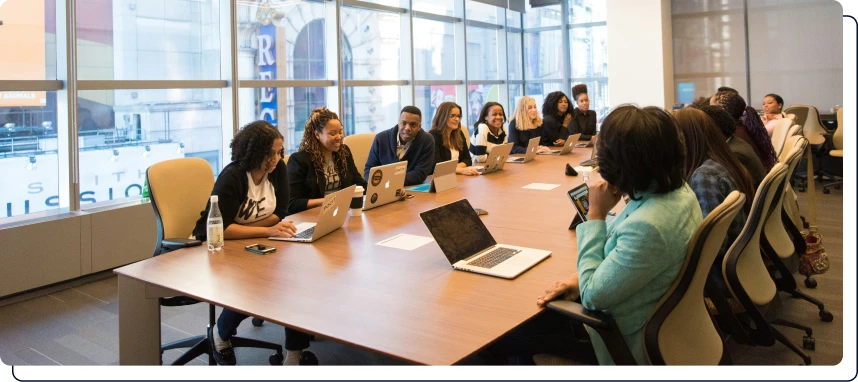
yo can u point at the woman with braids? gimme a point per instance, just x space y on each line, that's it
556 116
450 140
749 127
253 197
323 164
583 119
740 149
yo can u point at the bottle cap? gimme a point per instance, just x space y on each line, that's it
214 199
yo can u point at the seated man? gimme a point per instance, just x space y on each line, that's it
405 141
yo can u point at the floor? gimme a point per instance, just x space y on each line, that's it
77 323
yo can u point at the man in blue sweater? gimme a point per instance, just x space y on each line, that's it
405 141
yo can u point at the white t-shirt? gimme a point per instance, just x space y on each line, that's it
259 202
454 154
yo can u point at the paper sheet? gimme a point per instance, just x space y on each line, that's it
405 241
541 186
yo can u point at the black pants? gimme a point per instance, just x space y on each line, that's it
547 333
227 325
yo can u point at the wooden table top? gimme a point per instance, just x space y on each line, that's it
407 304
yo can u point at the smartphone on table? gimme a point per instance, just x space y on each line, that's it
260 249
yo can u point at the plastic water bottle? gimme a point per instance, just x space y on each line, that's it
214 228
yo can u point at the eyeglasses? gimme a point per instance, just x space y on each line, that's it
453 116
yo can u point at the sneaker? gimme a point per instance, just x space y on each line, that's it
223 357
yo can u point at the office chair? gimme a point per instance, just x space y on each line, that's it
679 331
747 279
780 134
178 190
836 153
360 144
790 198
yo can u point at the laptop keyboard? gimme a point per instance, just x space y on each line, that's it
306 234
589 162
494 257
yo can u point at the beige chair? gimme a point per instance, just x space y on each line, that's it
780 134
838 150
178 190
679 331
793 131
360 144
790 198
808 116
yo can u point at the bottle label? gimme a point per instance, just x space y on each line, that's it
215 234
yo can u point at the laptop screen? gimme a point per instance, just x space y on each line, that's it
458 230
580 197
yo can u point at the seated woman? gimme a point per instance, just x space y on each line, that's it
322 165
741 150
253 197
488 131
749 127
713 172
773 106
450 142
626 267
525 125
555 118
583 119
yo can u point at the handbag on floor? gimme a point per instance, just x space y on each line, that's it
814 261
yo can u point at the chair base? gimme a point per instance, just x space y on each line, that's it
200 345
782 339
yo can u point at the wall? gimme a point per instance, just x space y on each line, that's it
641 54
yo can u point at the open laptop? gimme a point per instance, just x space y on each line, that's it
580 197
529 154
590 143
594 155
332 215
571 141
496 159
469 246
385 184
443 179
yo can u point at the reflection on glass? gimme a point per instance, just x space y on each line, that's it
549 16
370 47
514 55
434 50
123 132
289 117
543 55
514 95
438 7
28 40
483 12
372 108
586 11
482 53
28 156
513 19
589 51
427 99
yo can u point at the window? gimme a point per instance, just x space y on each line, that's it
427 99
587 11
289 116
543 55
376 108
483 12
438 7
371 45
435 51
482 53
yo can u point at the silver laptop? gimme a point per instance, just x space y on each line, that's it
594 155
469 246
332 215
443 179
529 154
590 143
571 141
385 184
496 159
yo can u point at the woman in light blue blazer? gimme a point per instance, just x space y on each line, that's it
626 267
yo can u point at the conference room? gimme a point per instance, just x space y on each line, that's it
425 182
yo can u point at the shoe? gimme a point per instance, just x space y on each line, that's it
308 359
224 357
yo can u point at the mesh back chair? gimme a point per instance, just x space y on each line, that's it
749 283
780 134
178 190
679 331
837 152
360 144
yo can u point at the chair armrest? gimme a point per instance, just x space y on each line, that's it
577 312
173 244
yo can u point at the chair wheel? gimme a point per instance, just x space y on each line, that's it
826 191
810 283
275 359
257 322
826 316
808 343
308 359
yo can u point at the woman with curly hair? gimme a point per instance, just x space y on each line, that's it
749 127
253 197
450 142
556 116
583 119
323 164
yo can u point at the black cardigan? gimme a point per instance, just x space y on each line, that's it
305 185
554 129
520 139
231 190
442 154
583 124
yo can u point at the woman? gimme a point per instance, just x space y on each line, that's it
556 118
253 197
713 172
773 106
583 119
488 131
450 141
323 164
741 150
625 267
525 125
749 127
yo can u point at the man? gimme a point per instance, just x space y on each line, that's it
405 141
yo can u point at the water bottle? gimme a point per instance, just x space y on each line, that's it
214 228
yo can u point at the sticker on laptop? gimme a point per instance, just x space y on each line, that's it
399 170
374 198
376 177
331 203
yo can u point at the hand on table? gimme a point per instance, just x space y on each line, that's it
282 229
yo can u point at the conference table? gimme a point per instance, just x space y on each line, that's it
410 305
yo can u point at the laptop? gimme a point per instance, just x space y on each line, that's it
469 246
590 143
571 141
443 179
580 197
332 215
496 159
529 154
385 184
593 161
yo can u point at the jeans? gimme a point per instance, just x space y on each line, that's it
227 325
